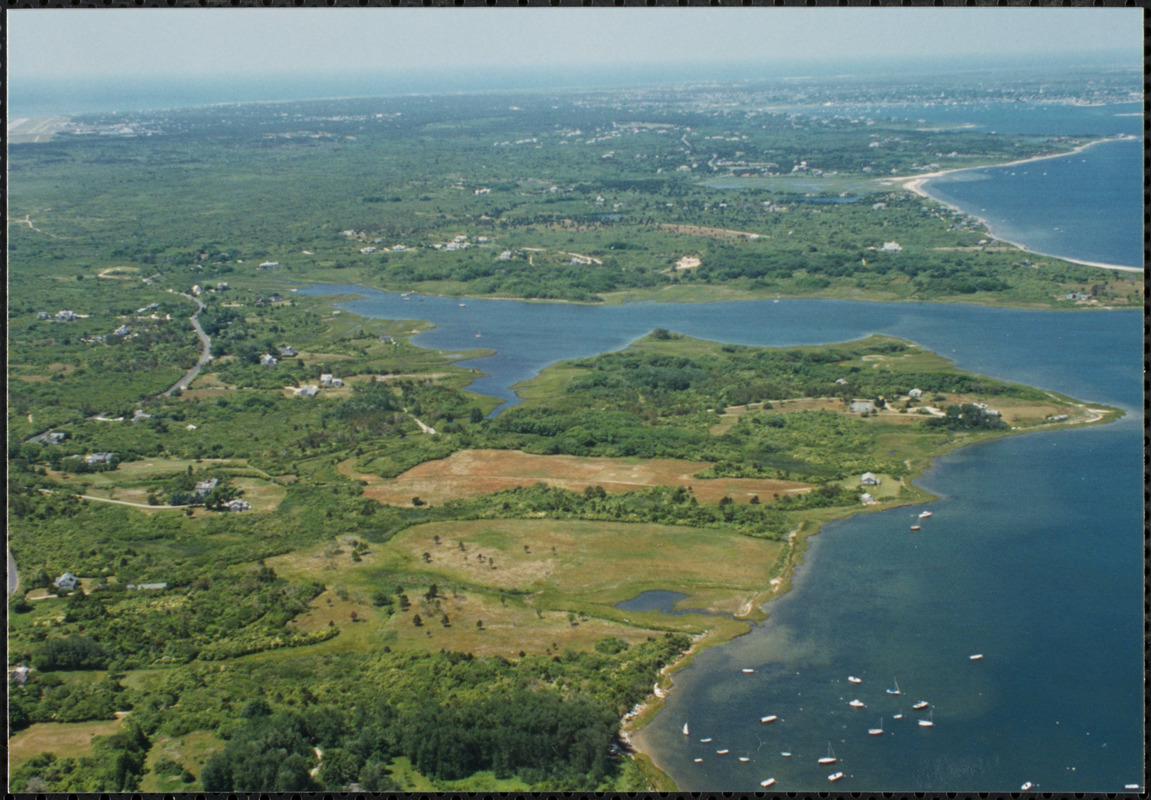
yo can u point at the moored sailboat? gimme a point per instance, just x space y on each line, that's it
830 757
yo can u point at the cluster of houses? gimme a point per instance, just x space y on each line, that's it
92 459
284 351
219 287
1078 296
207 486
64 315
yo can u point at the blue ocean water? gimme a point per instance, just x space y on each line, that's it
1033 558
1087 206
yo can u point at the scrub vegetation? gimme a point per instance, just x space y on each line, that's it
321 564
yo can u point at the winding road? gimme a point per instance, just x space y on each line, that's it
205 356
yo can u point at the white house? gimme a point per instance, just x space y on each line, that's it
891 247
309 391
869 479
238 505
269 265
866 499
267 360
203 487
67 582
915 393
862 406
841 381
99 458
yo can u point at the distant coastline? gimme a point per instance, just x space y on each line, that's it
918 184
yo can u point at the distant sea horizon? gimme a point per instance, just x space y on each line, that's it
44 96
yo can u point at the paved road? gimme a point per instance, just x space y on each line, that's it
13 578
205 356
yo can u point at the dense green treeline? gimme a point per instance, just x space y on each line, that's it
550 720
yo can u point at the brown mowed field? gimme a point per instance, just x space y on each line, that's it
474 472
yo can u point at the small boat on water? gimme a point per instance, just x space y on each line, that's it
857 704
853 679
744 758
929 722
767 782
686 730
747 670
921 704
785 753
897 716
895 690
876 731
769 718
830 757
833 777
924 514
699 760
722 752
915 527
1026 787
705 741
976 657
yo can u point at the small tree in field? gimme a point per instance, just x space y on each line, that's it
417 621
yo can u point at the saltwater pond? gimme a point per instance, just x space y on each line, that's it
1033 558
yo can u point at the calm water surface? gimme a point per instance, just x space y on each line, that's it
1034 558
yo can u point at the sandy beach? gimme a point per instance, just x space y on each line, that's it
916 184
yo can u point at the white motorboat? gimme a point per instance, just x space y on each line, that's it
833 777
924 514
976 657
686 730
744 758
767 782
857 704
921 704
853 679
747 670
722 752
769 718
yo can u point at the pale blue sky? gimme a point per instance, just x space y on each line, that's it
62 42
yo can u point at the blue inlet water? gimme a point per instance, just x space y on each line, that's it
1033 557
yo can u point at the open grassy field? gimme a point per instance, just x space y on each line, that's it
190 751
65 738
529 585
474 472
